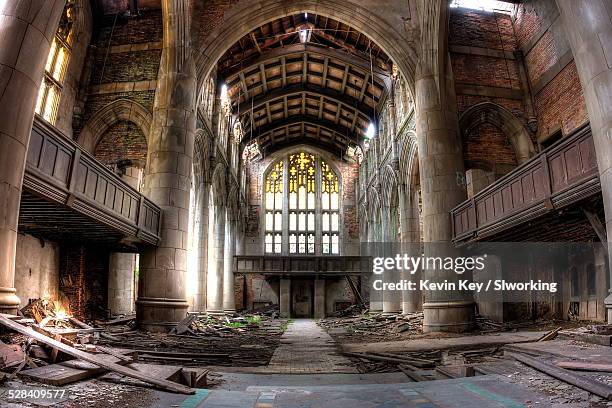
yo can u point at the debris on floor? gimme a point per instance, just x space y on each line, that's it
365 327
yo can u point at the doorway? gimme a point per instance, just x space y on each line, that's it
302 302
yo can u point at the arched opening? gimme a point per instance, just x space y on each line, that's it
490 128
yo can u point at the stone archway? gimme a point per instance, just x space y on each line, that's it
387 29
503 119
119 110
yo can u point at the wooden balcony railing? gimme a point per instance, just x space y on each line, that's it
301 265
561 175
60 171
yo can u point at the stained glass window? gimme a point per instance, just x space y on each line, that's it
274 210
312 206
330 210
55 68
302 191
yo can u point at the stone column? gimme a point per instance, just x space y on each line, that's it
440 162
229 298
162 295
589 31
27 30
319 298
202 245
214 284
285 297
121 282
411 244
376 297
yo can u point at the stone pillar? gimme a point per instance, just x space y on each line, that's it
121 282
376 297
589 31
411 243
319 298
27 30
202 219
216 251
162 295
285 297
229 298
440 162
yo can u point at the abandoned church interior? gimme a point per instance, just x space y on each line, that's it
193 194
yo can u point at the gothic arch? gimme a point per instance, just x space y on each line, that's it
201 156
119 110
219 188
502 118
243 18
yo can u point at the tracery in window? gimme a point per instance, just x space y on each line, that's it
274 209
302 203
304 219
330 212
55 68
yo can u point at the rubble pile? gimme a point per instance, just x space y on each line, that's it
45 344
366 327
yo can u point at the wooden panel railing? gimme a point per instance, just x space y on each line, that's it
59 170
301 265
563 174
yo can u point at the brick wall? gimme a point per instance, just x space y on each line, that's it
549 63
560 104
123 140
123 50
83 279
482 45
481 141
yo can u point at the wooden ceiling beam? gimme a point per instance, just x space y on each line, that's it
298 120
345 100
277 53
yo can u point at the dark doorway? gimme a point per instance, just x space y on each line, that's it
302 302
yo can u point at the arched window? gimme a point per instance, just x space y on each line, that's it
302 210
57 62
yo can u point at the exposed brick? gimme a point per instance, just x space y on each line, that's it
485 146
561 103
123 140
483 29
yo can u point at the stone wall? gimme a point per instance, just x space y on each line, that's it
37 268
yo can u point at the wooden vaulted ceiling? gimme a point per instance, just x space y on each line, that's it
327 89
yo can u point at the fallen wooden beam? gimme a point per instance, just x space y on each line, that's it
550 335
394 360
410 372
585 366
595 387
162 384
82 325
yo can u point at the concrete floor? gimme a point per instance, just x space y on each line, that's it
314 374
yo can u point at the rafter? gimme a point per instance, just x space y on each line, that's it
345 100
298 120
276 53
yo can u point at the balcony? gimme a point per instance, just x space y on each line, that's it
564 174
69 195
301 265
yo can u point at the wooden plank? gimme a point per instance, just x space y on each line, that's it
66 372
550 335
595 387
585 366
162 384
